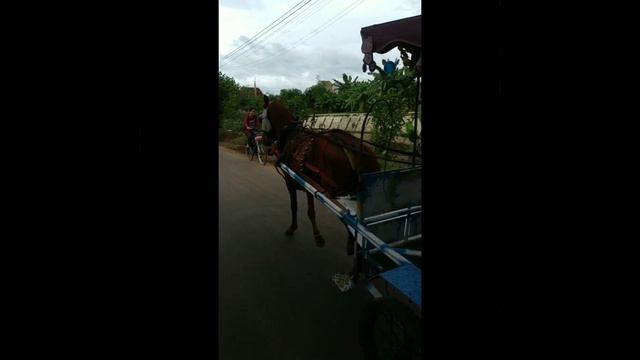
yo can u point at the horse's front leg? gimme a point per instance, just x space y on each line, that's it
312 216
294 206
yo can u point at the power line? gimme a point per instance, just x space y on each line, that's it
302 19
311 34
235 52
273 31
244 44
310 13
308 36
304 38
303 16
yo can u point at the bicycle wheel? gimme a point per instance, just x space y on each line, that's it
262 155
247 150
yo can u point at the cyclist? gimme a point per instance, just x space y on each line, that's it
249 125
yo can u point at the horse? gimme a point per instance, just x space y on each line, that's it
331 161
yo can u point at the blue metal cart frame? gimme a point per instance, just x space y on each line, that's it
405 276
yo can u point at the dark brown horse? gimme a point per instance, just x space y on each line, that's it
330 161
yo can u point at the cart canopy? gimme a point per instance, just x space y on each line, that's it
381 38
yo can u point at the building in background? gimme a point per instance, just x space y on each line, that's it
328 85
253 90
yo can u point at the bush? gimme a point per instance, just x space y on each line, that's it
232 124
228 135
241 140
394 96
388 117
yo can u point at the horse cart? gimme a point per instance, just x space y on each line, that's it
385 219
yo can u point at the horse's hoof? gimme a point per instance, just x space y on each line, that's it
319 240
289 231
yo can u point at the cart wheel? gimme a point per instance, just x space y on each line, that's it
390 331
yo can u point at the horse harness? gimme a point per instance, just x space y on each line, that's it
299 147
298 142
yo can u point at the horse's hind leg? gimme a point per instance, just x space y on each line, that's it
294 206
312 216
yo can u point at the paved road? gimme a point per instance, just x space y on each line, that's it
277 300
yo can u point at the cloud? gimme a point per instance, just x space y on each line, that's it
241 40
329 54
298 67
410 6
253 52
243 4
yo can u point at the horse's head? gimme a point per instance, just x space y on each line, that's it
281 120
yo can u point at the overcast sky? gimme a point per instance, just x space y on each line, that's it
281 59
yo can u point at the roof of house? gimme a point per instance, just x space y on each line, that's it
250 88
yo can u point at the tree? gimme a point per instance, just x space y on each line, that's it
227 87
347 99
294 100
357 95
246 99
233 101
228 91
347 83
319 99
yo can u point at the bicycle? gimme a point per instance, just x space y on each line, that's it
256 148
261 152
